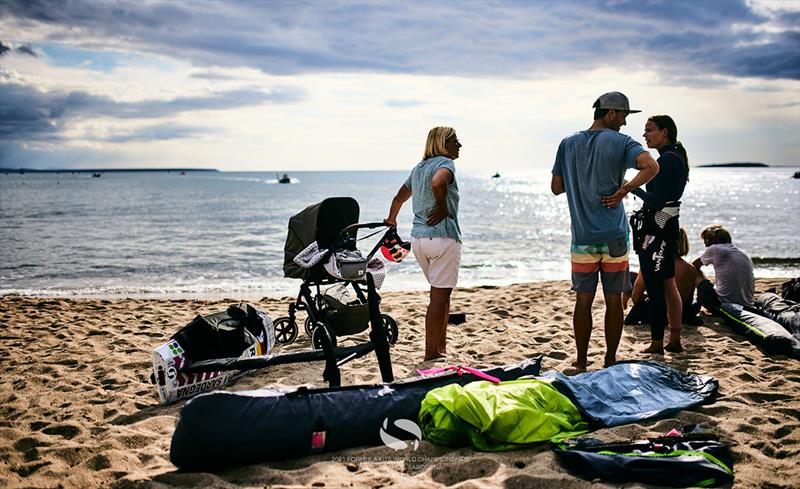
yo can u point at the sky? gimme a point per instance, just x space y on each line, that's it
258 85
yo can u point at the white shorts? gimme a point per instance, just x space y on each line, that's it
439 258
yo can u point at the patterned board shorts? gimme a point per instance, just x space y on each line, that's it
610 259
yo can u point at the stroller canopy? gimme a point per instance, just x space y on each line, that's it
320 222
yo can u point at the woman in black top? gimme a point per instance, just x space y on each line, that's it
655 232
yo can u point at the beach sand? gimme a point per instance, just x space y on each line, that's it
78 409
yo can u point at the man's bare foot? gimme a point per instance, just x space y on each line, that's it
574 369
674 348
656 346
580 366
609 361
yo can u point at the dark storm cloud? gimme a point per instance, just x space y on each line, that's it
499 38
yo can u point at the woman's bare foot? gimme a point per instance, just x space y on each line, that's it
674 344
674 347
656 347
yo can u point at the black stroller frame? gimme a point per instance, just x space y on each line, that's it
334 228
333 224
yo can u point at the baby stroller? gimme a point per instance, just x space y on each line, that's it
321 250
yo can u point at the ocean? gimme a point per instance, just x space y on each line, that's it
221 234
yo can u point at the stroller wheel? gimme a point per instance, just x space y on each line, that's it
310 325
320 333
390 326
285 330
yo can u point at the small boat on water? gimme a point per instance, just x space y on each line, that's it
796 174
496 175
96 175
284 179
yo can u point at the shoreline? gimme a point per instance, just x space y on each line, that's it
290 292
78 409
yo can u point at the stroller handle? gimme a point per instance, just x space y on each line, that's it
352 230
366 225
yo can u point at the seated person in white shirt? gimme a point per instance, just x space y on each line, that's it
733 271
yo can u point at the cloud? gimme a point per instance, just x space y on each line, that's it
158 132
31 114
787 105
402 104
207 75
495 39
684 80
26 49
16 154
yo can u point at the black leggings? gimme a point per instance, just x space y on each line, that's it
656 264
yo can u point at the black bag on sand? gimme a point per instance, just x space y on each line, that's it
640 314
790 290
762 331
692 459
782 311
224 429
220 335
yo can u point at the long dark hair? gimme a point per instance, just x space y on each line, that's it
666 122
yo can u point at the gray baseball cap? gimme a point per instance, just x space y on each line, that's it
614 100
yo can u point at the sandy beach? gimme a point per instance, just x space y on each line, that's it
78 409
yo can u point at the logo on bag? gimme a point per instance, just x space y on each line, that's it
406 425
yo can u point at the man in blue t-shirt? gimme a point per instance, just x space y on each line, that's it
589 165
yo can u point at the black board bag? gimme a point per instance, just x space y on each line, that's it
225 429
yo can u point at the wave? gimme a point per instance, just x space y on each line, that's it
774 260
218 290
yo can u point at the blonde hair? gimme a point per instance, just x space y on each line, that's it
434 146
715 234
683 243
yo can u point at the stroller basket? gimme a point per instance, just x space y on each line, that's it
346 319
350 265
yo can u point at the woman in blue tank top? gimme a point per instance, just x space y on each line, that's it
435 233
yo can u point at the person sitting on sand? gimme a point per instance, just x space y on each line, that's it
588 165
733 271
435 233
685 280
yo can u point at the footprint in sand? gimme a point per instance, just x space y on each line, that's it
762 397
784 431
99 462
66 431
26 470
451 474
